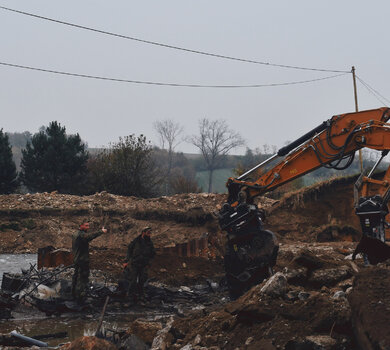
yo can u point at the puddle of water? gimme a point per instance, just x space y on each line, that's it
31 322
74 327
13 263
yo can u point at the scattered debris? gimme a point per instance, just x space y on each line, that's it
315 299
102 316
28 340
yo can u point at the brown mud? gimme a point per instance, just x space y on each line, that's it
321 301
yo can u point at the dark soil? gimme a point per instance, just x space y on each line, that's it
370 302
272 319
317 229
166 268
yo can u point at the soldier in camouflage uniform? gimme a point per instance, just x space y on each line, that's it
80 250
139 254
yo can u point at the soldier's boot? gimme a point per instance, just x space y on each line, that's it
141 296
131 297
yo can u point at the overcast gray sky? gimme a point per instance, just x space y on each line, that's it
320 34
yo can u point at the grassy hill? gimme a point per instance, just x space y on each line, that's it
220 177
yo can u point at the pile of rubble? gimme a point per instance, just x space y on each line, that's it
319 300
308 305
54 200
48 290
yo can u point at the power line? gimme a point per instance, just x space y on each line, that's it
166 84
376 91
171 46
373 91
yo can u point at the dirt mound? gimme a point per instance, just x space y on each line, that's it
28 222
105 201
31 221
322 212
370 303
332 307
276 315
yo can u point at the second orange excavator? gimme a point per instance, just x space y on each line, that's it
251 250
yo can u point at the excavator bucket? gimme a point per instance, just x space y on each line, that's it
372 211
251 251
375 250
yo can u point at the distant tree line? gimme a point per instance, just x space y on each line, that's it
8 175
52 160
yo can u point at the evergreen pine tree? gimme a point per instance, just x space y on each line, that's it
54 161
8 176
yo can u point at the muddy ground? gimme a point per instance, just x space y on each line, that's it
318 299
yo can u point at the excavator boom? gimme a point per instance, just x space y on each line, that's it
327 145
331 144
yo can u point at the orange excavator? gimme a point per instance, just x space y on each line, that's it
251 251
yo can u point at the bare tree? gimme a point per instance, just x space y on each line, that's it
215 140
168 132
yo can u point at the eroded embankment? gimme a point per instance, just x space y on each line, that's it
28 222
322 212
319 213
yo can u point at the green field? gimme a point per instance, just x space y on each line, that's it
220 177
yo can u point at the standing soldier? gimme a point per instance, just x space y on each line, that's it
139 254
80 250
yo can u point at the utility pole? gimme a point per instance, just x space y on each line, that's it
357 110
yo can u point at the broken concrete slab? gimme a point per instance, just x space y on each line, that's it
329 277
276 285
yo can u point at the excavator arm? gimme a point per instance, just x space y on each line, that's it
332 144
251 250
